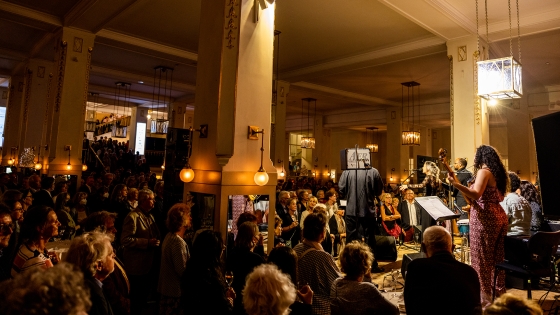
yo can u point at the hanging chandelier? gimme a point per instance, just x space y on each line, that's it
163 76
121 122
409 135
500 78
372 145
309 142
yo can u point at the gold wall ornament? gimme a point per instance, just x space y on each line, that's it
462 53
78 43
451 91
28 80
231 18
86 85
41 72
47 107
60 78
477 111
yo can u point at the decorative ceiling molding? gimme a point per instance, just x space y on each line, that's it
29 13
454 14
127 39
77 11
345 95
135 77
364 57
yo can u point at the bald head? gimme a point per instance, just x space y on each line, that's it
436 239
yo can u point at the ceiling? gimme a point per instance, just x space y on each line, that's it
350 56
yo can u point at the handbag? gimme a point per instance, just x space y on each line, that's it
289 241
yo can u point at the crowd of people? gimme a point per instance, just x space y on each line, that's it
128 247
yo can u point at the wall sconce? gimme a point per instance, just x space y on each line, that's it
261 177
69 149
282 172
392 170
187 173
12 160
38 165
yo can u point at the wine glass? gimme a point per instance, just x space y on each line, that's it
229 278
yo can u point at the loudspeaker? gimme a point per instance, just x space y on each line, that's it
545 130
385 248
407 258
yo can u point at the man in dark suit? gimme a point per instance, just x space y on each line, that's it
411 215
439 284
43 197
282 204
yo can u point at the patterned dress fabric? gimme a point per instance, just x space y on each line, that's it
488 228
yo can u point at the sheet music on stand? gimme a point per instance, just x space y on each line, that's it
436 208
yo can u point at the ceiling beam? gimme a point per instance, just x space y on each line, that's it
135 77
109 93
359 61
127 39
345 95
30 13
77 11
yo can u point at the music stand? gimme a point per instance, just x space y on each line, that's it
436 209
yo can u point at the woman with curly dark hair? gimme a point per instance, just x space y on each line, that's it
530 193
488 221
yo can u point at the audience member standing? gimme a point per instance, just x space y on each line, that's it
141 239
174 256
433 276
241 260
43 197
6 230
203 284
116 286
93 254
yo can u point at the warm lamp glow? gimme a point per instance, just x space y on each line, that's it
38 166
410 138
493 102
186 174
68 167
261 177
149 116
11 162
308 143
84 167
163 167
499 78
282 173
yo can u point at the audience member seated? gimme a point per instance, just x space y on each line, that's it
40 225
116 285
278 240
530 193
174 256
331 202
6 229
411 218
93 254
351 292
510 304
316 267
140 240
203 285
268 291
337 227
285 259
59 290
241 260
439 284
16 212
517 209
389 217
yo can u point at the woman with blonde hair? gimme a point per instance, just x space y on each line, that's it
430 183
268 292
310 206
389 216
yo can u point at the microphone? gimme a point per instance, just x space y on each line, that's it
416 170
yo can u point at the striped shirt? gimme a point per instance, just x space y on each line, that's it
27 259
318 269
174 256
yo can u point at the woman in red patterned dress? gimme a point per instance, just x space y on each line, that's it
488 221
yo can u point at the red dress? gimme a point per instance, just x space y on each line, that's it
488 229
